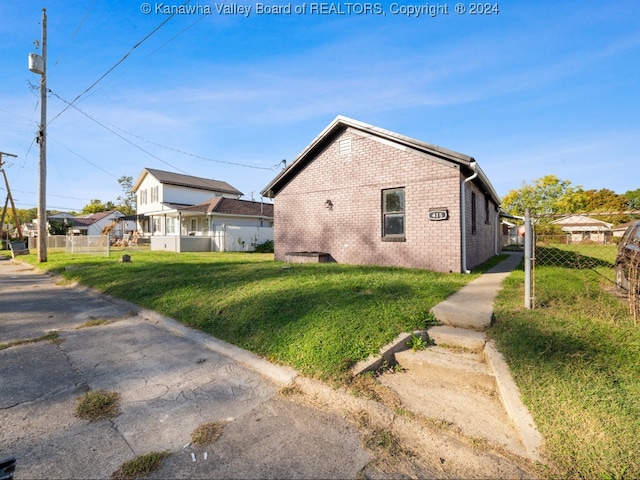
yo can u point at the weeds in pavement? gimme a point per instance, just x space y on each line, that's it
52 337
97 405
207 433
140 466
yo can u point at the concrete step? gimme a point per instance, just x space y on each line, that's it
447 336
443 366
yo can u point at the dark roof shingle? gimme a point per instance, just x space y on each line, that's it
178 179
232 206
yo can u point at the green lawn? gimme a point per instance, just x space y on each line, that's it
318 318
576 359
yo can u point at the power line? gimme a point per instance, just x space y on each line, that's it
50 195
75 32
104 125
161 46
190 154
83 158
116 65
117 134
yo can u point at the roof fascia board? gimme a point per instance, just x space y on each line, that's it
218 214
140 179
485 181
378 133
405 148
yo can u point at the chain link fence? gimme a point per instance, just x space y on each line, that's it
585 244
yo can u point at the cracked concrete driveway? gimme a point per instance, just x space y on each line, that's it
170 380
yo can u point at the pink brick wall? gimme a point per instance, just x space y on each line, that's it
351 231
481 244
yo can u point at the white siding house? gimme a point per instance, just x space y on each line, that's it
96 223
186 213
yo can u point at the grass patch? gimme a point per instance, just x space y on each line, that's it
49 337
140 466
94 323
208 433
98 405
576 361
318 318
366 386
489 264
416 342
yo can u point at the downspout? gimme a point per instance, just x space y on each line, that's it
498 235
463 215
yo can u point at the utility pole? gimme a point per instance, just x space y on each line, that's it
38 64
9 198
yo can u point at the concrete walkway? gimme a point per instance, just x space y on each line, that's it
472 305
463 379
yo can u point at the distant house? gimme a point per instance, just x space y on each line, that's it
582 229
186 213
60 216
28 229
619 230
359 194
100 223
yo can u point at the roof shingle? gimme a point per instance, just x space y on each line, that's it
178 179
232 206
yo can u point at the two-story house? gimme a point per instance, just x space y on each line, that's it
186 213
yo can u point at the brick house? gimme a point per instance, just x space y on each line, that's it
359 194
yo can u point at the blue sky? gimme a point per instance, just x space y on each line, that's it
542 87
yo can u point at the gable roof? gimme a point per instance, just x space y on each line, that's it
178 179
580 221
341 123
87 220
623 227
232 206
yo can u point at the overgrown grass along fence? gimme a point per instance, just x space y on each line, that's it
575 358
584 260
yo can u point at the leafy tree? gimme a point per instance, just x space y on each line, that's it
547 195
96 206
605 200
59 227
633 199
25 215
127 201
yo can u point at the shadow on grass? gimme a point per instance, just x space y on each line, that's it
556 257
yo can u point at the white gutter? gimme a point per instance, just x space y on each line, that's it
498 235
463 215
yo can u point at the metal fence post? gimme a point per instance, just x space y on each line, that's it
528 243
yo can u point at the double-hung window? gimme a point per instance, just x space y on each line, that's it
171 226
393 215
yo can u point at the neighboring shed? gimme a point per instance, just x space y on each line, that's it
365 195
